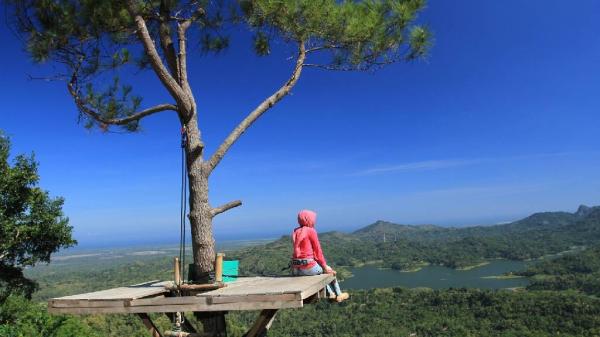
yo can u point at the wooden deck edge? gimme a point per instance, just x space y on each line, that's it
316 287
178 308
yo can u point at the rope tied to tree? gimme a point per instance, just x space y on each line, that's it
183 205
178 319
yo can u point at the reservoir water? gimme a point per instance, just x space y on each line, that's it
438 277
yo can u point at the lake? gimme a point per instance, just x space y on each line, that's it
437 277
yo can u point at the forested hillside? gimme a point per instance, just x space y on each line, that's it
454 312
579 271
407 247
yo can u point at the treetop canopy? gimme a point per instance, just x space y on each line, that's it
91 37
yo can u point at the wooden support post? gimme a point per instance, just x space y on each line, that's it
149 325
177 271
219 267
262 324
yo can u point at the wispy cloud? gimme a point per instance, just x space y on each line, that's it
421 166
452 163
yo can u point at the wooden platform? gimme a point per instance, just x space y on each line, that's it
247 293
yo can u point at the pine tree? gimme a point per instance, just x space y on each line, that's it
91 38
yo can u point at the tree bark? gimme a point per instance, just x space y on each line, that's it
200 212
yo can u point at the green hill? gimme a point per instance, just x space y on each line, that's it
407 246
579 271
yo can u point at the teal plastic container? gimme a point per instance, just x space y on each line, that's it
230 270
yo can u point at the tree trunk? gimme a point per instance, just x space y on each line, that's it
200 215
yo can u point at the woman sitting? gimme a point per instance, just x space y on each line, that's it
308 257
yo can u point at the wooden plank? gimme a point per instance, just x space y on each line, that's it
179 308
149 283
121 293
86 303
179 300
271 285
253 298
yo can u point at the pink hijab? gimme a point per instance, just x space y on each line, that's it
306 218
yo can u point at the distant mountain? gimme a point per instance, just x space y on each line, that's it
584 210
377 230
536 221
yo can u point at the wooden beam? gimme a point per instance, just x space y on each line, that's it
149 325
178 307
253 298
262 324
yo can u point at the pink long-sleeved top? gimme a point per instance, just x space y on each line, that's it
307 246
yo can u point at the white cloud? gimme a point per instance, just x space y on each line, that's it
451 163
421 166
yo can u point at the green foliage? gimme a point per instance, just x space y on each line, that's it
357 34
453 312
579 271
21 318
62 280
114 101
32 225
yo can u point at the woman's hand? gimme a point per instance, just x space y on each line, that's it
329 270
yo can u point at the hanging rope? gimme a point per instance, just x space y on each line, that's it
183 205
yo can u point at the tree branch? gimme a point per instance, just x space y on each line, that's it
182 28
159 68
259 110
314 49
365 67
226 207
195 16
182 58
166 42
82 105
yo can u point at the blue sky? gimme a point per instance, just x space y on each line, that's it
500 121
